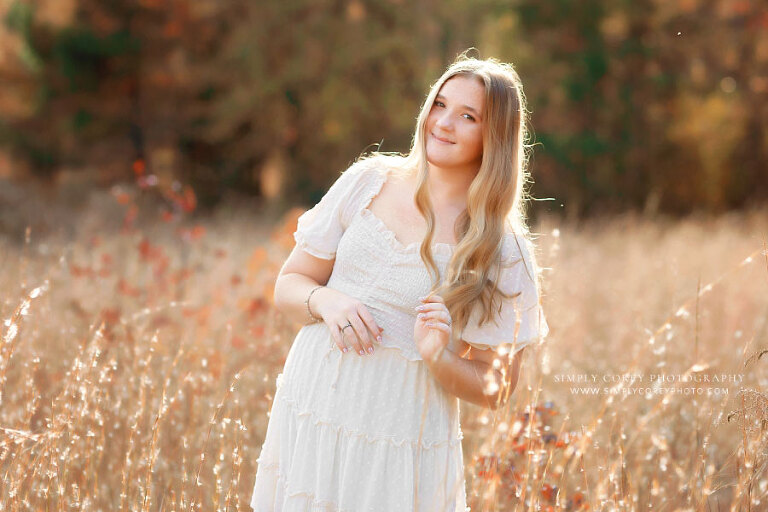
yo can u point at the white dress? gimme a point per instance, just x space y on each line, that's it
376 432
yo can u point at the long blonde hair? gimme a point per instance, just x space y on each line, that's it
496 199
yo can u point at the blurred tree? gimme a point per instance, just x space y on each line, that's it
641 104
648 105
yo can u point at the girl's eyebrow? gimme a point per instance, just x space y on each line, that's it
440 96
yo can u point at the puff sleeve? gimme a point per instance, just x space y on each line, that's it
521 320
319 229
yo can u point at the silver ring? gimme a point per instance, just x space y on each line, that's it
348 325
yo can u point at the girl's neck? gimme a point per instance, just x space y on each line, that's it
449 187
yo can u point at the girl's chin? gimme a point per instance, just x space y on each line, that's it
441 153
444 162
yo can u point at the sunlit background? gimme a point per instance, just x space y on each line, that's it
154 157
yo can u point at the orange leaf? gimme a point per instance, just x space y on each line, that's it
139 166
122 198
77 271
548 491
126 289
488 466
130 217
238 342
197 232
189 202
148 251
110 315
257 305
203 314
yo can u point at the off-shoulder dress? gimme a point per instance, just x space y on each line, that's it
376 432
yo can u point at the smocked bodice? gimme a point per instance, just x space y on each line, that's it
386 276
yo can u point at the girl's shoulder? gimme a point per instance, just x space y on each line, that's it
518 246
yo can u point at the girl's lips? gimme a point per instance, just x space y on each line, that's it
444 141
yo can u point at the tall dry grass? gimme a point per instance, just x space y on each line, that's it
139 359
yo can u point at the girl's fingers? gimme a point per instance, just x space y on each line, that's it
442 316
363 343
440 326
339 339
374 329
370 323
435 313
348 336
432 306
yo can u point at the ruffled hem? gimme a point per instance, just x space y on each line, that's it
393 441
382 394
300 501
309 464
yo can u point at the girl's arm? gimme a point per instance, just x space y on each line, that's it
475 379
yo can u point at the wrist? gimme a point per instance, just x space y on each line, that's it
439 357
313 307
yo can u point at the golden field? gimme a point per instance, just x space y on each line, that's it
140 351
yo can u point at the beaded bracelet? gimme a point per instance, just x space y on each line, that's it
313 317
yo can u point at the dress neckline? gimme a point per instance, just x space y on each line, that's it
437 247
442 248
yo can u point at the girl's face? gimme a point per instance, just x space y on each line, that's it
454 130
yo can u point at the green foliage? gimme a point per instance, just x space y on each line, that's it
82 56
19 17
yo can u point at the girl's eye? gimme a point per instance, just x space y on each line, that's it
441 104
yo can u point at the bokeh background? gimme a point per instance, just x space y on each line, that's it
154 157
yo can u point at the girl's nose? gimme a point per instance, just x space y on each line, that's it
444 121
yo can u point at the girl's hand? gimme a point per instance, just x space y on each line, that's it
338 309
432 331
